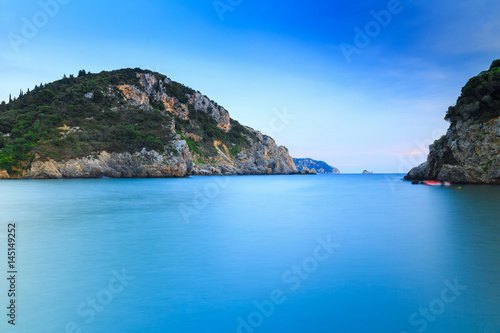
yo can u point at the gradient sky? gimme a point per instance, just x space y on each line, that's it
379 111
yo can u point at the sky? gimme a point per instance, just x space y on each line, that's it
361 85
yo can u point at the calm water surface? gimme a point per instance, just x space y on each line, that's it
339 253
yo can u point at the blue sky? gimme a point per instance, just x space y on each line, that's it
260 59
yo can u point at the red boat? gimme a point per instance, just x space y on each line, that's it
436 183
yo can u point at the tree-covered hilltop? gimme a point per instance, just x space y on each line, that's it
122 111
480 98
75 117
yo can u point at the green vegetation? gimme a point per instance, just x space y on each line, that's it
179 91
193 145
439 141
83 115
203 125
235 150
487 166
495 64
35 120
472 102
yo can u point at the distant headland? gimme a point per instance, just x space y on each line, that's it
308 164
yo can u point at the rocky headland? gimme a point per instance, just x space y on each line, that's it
129 123
470 150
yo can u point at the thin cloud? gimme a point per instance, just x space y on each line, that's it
410 153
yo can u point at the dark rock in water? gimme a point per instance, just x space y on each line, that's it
470 150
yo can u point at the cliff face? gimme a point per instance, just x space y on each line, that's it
128 124
144 164
308 164
263 158
470 150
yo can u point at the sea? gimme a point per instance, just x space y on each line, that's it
295 253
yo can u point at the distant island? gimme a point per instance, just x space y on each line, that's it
470 150
308 164
367 172
128 123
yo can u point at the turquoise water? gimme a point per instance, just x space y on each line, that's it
336 253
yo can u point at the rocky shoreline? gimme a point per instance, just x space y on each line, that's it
469 153
266 158
470 150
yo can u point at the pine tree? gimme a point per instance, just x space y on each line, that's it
29 98
19 103
82 73
10 98
3 107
